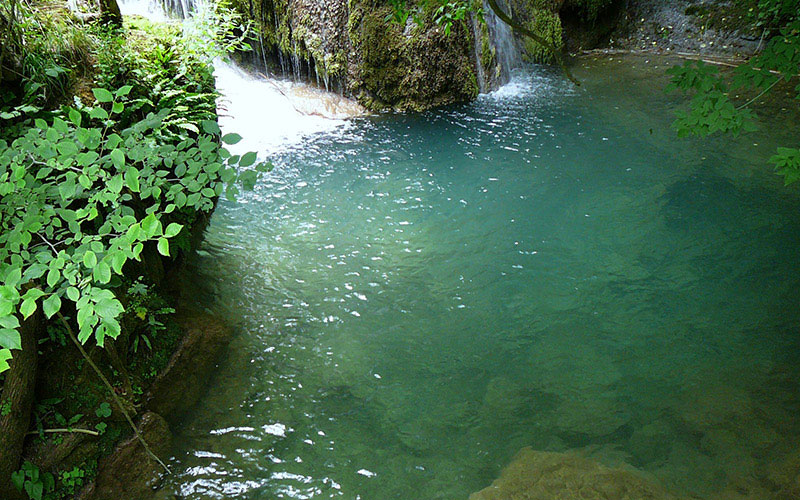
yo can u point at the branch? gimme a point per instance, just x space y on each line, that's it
55 252
111 390
68 431
533 36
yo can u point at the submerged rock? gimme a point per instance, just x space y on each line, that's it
539 475
183 381
130 472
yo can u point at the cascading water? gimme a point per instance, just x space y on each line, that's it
503 39
269 113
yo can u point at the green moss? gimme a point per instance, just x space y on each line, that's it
488 52
546 24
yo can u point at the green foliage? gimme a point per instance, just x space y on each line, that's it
711 108
33 482
79 200
162 75
214 30
443 12
450 13
39 52
787 164
71 481
148 309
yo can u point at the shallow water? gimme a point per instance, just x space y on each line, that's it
417 297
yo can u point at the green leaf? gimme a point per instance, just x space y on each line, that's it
132 179
98 113
67 148
13 277
9 322
210 127
248 178
118 158
102 273
118 261
172 230
75 117
104 411
53 276
10 339
27 308
18 479
247 159
108 308
103 95
34 490
231 138
51 305
124 90
115 184
117 107
5 355
73 294
163 247
89 259
32 295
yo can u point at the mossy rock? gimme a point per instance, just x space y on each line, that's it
546 24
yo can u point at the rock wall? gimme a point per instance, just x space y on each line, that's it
355 48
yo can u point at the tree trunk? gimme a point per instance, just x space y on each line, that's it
109 12
18 392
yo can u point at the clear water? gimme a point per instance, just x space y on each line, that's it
417 297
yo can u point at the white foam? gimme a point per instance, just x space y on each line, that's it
270 114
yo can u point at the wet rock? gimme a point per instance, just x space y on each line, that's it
689 469
784 476
351 47
539 475
183 381
129 472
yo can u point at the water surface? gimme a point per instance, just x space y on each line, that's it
417 297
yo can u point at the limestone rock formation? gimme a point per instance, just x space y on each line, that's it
354 47
539 475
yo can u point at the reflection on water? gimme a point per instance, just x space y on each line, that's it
417 297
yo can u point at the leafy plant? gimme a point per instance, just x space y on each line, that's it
147 307
34 483
450 13
79 200
71 480
712 110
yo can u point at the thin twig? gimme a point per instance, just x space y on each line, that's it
751 101
111 390
67 431
55 252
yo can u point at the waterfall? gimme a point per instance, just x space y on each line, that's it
503 40
268 113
